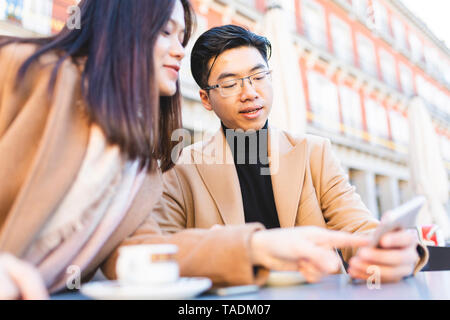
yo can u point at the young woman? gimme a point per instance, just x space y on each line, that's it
86 118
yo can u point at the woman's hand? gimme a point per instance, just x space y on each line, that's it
309 250
20 280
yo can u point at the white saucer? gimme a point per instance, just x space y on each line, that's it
184 288
285 278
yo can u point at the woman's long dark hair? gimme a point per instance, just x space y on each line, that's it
117 38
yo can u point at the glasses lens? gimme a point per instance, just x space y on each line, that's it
261 77
234 87
230 88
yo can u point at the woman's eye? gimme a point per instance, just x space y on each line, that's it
166 32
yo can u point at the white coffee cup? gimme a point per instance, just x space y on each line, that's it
147 264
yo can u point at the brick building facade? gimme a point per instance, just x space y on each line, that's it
360 61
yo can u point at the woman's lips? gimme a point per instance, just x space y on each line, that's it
173 70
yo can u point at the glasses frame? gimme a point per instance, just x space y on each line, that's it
219 85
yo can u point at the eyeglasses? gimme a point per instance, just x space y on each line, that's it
232 87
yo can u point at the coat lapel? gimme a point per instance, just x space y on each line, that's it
287 166
215 164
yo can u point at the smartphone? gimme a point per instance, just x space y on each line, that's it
402 217
229 291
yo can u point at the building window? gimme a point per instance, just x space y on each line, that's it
406 80
14 9
416 48
313 17
365 12
366 55
361 8
446 67
433 61
351 111
399 34
290 15
442 100
346 3
438 98
399 128
387 64
249 3
381 19
429 56
323 99
37 15
445 147
34 15
376 120
3 9
342 39
424 89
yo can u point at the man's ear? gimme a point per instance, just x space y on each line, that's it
205 100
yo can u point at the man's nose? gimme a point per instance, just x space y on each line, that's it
248 90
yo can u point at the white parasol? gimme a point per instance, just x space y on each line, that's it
428 174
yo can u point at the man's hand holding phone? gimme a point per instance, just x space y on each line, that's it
396 257
394 247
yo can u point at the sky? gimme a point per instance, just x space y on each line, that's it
435 14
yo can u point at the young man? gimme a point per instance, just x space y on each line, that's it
224 193
306 185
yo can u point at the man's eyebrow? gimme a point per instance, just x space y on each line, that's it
259 66
228 74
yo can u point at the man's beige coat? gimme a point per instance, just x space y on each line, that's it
309 186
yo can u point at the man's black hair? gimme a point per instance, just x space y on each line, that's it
215 41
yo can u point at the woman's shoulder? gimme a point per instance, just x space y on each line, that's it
17 51
15 54
15 90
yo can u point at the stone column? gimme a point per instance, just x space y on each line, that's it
406 191
364 182
346 171
389 193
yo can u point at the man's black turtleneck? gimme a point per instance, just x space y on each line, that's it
256 188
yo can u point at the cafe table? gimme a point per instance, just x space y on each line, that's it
431 285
